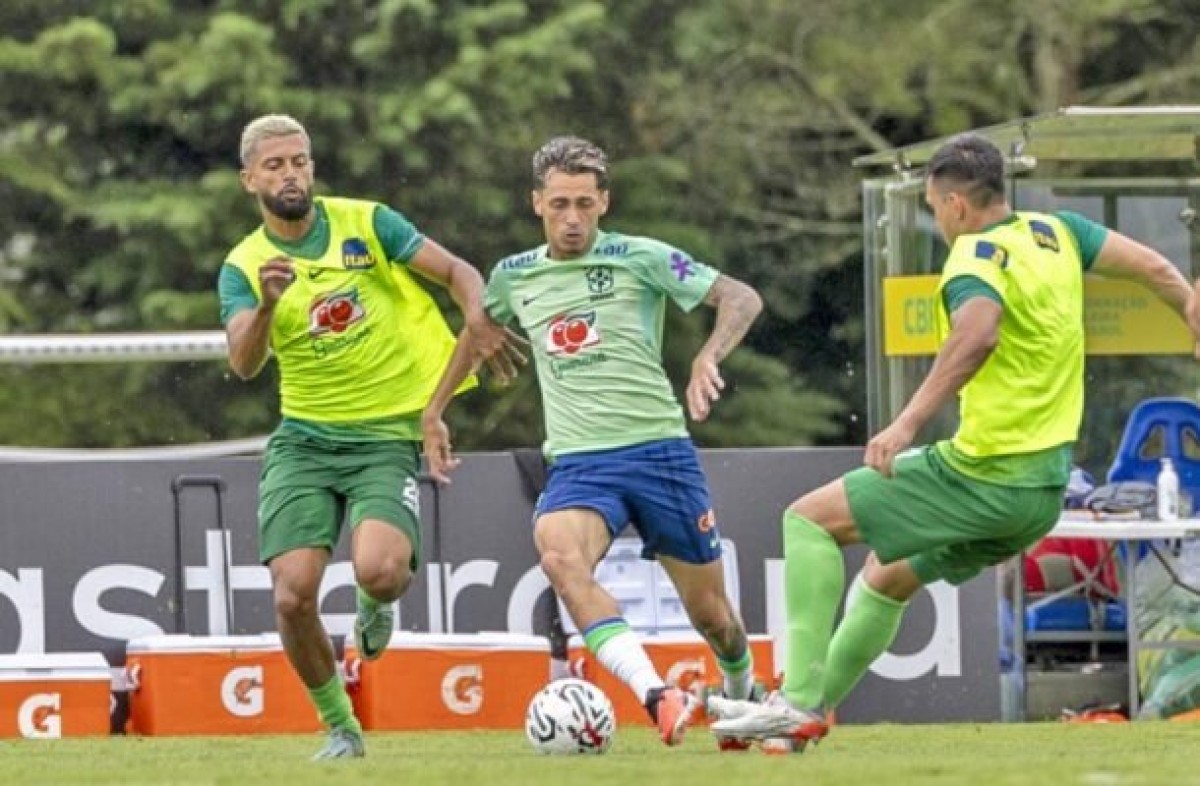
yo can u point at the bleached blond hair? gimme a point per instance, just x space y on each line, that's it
268 127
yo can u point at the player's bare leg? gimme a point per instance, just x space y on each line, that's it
701 588
296 577
571 542
382 557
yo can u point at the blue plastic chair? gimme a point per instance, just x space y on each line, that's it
1160 428
1157 428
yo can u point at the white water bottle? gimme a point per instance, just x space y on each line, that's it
1168 492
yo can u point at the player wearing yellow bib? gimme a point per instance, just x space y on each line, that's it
1010 321
325 284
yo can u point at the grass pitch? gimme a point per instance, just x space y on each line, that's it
878 755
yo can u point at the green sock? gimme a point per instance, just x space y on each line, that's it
868 629
813 583
366 603
333 705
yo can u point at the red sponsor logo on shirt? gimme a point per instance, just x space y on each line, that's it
334 313
569 333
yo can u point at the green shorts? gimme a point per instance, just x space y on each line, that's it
948 525
307 486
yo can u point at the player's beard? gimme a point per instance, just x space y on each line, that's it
290 208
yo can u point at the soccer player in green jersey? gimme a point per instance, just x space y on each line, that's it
1010 321
592 303
327 285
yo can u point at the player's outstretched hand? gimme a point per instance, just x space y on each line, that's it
704 388
438 449
276 275
501 348
884 447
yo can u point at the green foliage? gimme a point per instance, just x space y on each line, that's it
731 124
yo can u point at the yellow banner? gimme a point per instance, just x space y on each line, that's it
908 315
1120 317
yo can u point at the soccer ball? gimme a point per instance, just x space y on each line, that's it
570 716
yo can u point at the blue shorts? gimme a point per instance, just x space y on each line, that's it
658 487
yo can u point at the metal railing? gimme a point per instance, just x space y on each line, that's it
113 347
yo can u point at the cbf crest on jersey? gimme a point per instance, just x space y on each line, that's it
599 281
356 255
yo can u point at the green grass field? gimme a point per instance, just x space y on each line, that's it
881 755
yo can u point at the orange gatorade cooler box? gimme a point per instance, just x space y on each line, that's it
684 660
51 696
449 681
215 685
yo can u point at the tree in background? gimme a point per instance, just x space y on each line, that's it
772 101
732 122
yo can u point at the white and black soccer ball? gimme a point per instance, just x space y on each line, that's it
570 716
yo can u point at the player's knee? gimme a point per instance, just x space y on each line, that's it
293 604
828 509
385 577
386 585
811 507
564 569
896 580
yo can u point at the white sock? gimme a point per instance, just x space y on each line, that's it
739 686
738 674
624 656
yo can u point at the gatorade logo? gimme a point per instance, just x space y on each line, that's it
687 675
462 689
40 716
242 691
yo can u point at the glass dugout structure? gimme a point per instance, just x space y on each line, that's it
1133 169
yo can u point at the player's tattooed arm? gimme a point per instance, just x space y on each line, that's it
737 305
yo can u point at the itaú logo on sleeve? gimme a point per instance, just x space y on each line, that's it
462 689
569 333
40 716
242 691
